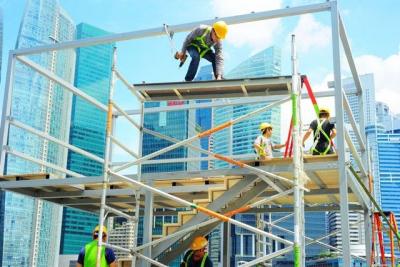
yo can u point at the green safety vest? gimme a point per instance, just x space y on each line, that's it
91 255
203 261
317 133
200 43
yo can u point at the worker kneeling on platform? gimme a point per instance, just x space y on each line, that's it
324 132
197 255
88 254
198 44
263 144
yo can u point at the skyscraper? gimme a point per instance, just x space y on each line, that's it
1 39
357 241
204 115
238 140
386 118
31 228
87 131
357 238
389 169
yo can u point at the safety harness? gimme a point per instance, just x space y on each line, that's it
317 136
261 150
203 261
200 43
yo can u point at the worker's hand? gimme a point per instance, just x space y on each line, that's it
219 77
179 55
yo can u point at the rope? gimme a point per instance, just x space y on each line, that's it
171 40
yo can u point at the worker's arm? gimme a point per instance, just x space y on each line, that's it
110 257
219 60
278 146
81 257
307 135
333 133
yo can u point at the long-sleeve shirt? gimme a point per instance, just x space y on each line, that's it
199 31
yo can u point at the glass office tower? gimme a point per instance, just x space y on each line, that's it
87 131
31 228
238 140
389 169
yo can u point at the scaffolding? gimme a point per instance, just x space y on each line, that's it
325 181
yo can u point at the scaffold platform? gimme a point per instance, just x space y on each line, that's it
229 88
84 193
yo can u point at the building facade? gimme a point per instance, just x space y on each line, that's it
389 169
386 118
87 131
1 39
31 228
238 139
357 237
204 115
121 235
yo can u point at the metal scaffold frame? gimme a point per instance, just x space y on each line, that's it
141 187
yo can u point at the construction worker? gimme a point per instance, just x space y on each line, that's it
88 254
324 131
197 255
263 145
198 44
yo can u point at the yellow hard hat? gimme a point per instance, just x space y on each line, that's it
221 29
199 243
324 110
265 125
97 229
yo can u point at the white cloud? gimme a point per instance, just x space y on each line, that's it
257 35
311 34
386 75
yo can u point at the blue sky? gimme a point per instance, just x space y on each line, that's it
372 27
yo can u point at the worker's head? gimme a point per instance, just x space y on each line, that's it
199 246
266 129
96 232
220 29
324 112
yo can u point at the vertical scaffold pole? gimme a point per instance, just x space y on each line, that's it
297 168
340 142
106 177
139 175
7 101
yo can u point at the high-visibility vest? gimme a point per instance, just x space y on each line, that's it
203 261
91 255
200 43
317 133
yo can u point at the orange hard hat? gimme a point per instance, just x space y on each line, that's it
199 242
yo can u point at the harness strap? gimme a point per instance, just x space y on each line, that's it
317 137
203 261
202 47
